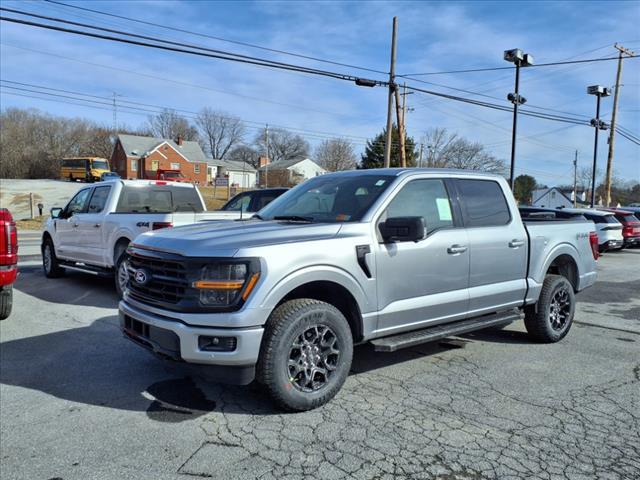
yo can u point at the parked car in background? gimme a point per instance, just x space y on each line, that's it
8 261
394 257
86 169
106 176
634 210
630 226
252 201
92 232
170 175
608 228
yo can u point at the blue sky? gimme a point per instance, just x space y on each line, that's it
433 36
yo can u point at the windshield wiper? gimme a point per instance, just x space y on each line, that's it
294 218
255 215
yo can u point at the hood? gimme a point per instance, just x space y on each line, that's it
225 238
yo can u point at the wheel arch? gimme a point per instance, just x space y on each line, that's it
564 264
119 246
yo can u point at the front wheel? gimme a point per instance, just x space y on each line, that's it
50 263
305 355
550 319
6 301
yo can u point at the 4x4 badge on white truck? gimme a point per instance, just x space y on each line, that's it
141 277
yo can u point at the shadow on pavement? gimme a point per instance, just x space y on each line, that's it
72 289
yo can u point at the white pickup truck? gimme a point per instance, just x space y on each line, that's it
92 232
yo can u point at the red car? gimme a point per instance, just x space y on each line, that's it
8 261
630 226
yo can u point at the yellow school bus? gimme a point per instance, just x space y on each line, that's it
88 169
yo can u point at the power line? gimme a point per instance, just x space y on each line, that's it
206 53
236 42
493 69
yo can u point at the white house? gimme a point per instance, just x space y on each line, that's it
240 174
297 169
554 197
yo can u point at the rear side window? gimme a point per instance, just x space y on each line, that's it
629 218
264 199
98 199
158 199
484 203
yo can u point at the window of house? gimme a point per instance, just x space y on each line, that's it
155 164
196 168
134 165
175 166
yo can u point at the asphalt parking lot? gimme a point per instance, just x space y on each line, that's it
80 402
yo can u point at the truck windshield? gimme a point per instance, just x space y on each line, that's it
328 199
100 164
158 199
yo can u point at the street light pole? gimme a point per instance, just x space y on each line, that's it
515 127
595 154
599 91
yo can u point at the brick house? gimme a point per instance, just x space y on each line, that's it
136 156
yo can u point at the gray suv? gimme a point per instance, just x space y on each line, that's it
394 257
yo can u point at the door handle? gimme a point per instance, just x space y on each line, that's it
515 243
97 225
75 225
455 249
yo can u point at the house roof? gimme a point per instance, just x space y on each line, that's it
284 164
231 165
542 192
138 146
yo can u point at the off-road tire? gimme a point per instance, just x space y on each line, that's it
285 325
53 269
539 319
6 301
121 255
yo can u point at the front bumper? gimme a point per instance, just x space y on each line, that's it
176 340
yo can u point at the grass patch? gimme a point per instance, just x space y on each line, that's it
36 223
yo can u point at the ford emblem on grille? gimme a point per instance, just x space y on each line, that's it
141 277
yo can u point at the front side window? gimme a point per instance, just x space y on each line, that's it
329 198
100 164
484 203
238 203
98 199
77 204
426 198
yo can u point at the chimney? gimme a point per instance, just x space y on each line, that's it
262 161
179 140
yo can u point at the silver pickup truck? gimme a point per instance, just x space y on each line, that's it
394 257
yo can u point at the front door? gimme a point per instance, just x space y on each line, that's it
69 245
424 282
498 248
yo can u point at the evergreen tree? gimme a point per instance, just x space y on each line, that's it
373 156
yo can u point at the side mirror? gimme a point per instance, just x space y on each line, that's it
403 229
55 212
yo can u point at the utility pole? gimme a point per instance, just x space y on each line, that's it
266 165
575 180
616 94
420 158
400 119
392 88
115 114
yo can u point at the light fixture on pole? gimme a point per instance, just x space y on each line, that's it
519 59
599 91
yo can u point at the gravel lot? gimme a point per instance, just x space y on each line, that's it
80 402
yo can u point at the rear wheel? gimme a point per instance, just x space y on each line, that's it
50 263
550 319
6 301
306 354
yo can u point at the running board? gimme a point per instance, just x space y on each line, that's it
437 332
100 272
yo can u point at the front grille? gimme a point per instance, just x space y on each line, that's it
166 280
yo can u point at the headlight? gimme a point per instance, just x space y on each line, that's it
223 284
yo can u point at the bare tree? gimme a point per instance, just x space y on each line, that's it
219 131
445 150
168 124
283 145
336 154
244 153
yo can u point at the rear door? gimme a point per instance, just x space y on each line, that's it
497 247
90 225
424 282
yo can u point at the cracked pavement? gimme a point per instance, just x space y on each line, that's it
80 402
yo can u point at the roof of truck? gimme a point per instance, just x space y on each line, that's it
142 183
412 171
